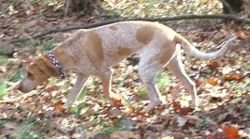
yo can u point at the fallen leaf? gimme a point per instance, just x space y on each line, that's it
212 65
114 112
58 108
116 103
130 110
218 95
212 81
197 83
176 106
227 70
52 88
181 110
233 76
181 121
231 132
210 136
242 35
124 135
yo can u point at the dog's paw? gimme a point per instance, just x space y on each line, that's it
67 104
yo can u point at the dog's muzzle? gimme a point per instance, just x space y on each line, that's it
25 86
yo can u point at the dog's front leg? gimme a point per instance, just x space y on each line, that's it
106 78
79 84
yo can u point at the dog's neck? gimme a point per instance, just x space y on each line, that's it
58 67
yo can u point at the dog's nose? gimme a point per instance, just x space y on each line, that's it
21 88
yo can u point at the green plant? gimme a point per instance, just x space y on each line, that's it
204 123
53 80
142 93
77 109
108 128
162 80
18 76
45 2
3 60
246 110
3 87
243 85
2 122
26 132
47 46
82 95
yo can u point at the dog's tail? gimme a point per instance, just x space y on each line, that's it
187 46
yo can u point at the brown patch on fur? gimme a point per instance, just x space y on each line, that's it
113 28
41 69
121 53
124 52
50 68
94 50
145 34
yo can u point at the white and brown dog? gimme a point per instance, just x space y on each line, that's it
93 51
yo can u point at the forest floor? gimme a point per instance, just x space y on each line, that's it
223 84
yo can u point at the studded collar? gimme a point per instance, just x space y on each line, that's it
56 63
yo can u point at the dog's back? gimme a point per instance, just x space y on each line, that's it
118 40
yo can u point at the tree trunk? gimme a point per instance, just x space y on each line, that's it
85 7
246 7
231 6
236 6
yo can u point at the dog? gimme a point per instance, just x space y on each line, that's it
94 51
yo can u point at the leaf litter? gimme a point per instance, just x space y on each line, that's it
223 89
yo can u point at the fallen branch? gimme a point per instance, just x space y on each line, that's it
159 19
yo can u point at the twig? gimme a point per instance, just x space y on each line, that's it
159 19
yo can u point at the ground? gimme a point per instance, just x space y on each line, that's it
223 84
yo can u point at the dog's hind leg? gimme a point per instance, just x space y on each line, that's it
177 68
152 60
148 67
78 86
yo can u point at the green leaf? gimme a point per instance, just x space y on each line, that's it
3 60
18 76
3 87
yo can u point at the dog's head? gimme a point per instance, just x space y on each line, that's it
38 71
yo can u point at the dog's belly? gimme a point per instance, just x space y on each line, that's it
115 55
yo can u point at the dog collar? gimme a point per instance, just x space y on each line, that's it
57 64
